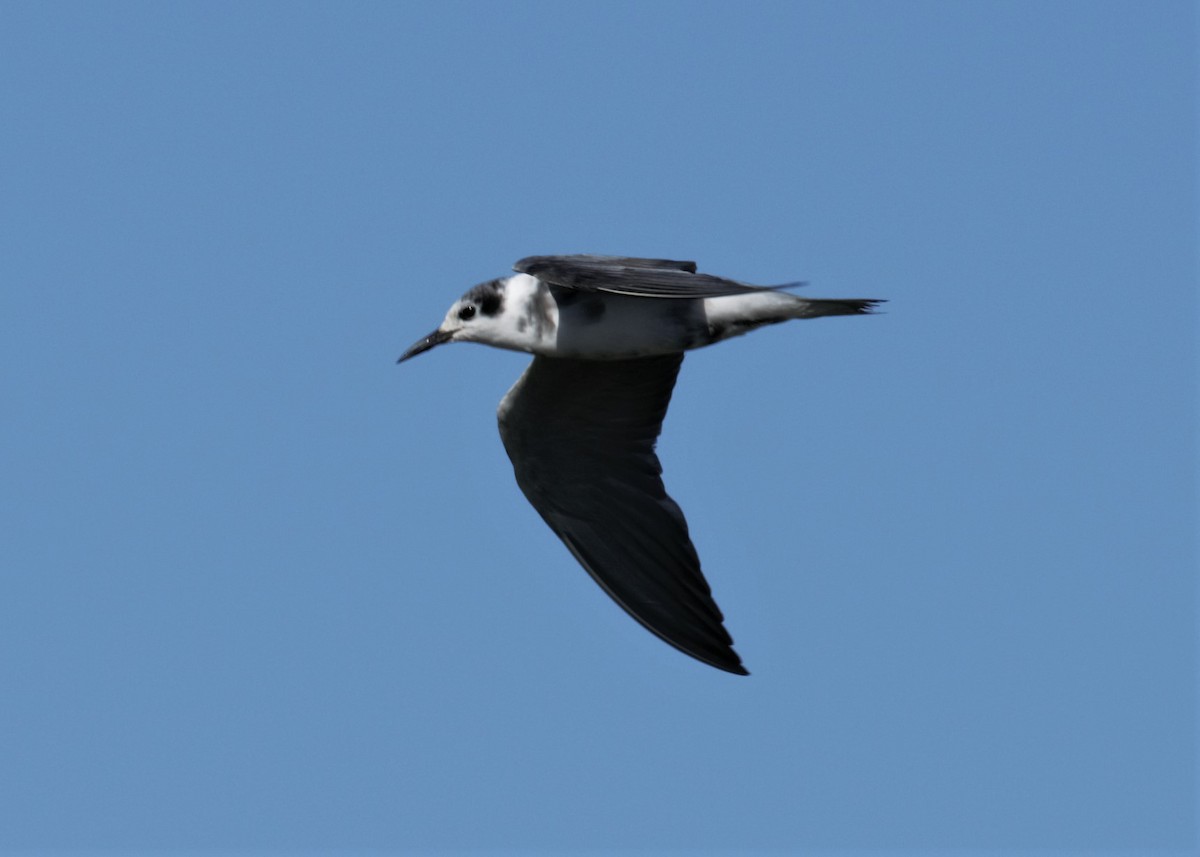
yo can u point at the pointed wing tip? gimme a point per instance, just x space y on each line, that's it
726 661
723 658
732 664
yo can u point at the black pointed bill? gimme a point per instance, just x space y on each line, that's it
421 346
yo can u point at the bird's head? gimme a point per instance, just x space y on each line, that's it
475 317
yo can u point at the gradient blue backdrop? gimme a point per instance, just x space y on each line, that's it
261 588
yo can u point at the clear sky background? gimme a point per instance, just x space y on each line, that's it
261 588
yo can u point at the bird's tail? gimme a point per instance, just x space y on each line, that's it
817 307
738 314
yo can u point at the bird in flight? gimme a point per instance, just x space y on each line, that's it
580 425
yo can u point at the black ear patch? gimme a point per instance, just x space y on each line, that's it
487 296
491 304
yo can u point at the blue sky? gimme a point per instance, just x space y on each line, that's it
261 588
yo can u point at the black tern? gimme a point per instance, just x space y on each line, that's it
581 423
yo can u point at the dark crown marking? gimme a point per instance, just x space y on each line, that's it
488 297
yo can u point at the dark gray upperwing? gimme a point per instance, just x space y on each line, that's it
624 275
581 437
547 263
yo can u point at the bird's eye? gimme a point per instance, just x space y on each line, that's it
466 312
